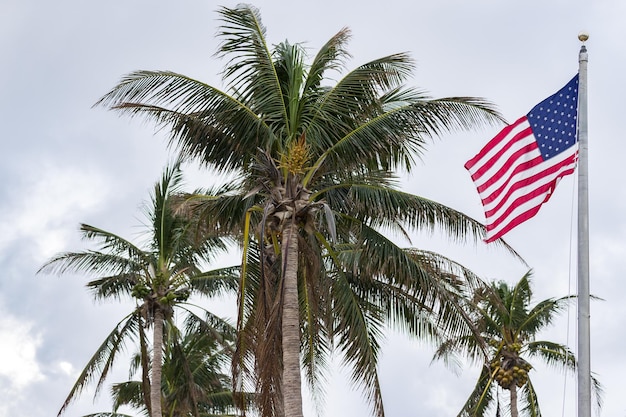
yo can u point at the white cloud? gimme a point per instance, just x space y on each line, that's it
18 353
46 202
66 368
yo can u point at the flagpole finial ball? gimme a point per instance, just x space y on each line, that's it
583 36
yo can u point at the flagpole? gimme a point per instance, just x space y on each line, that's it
584 339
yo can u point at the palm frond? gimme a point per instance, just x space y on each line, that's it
113 286
216 282
205 123
530 401
92 262
481 397
357 329
330 56
250 68
553 354
102 360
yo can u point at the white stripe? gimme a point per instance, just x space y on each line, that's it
522 208
536 201
528 156
523 175
480 164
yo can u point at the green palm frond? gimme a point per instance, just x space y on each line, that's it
530 401
358 330
111 243
221 330
113 286
553 354
205 123
101 362
331 56
250 69
396 133
481 397
216 282
92 262
127 393
544 313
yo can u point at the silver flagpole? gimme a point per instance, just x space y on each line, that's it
584 340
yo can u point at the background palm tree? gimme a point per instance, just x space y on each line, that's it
314 192
503 338
160 277
193 384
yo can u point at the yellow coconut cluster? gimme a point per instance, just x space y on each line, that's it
508 369
296 159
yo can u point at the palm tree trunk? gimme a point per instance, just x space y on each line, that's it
514 412
291 381
145 366
157 364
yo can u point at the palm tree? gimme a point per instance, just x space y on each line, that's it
503 338
160 277
315 192
193 384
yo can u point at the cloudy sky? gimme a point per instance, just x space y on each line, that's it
64 162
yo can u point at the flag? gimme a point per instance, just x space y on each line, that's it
517 171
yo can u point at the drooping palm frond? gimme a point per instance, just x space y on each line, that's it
205 123
530 401
381 205
216 282
100 364
481 397
128 393
552 354
357 332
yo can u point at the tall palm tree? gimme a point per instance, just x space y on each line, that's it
506 325
160 277
315 193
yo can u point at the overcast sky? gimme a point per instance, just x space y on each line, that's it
64 162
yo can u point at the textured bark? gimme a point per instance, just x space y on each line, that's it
291 381
157 364
514 412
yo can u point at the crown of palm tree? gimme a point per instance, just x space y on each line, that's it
315 190
503 338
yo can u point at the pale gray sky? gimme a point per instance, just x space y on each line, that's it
64 162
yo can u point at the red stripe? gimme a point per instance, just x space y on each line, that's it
493 143
550 170
519 167
547 189
543 189
515 222
497 159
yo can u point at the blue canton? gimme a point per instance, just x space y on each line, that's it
553 121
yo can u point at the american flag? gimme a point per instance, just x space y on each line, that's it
517 171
